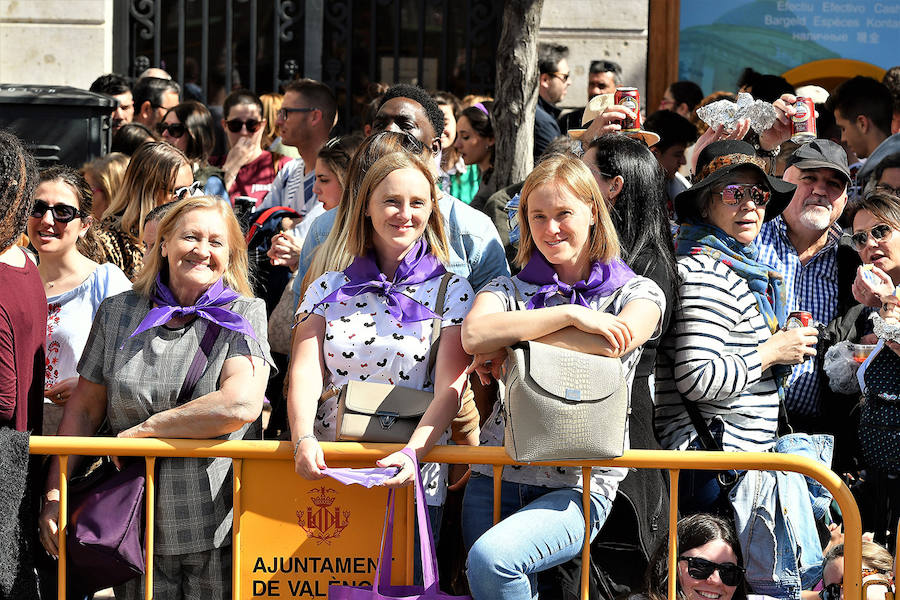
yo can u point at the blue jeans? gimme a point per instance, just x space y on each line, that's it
540 528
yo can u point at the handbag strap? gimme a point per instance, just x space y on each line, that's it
703 432
201 359
436 322
426 545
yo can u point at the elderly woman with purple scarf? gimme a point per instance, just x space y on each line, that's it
182 355
581 296
373 321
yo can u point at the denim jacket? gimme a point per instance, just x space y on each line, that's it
775 516
476 251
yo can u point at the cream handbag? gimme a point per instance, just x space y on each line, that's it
379 412
560 404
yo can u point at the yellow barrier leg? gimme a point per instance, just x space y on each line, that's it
148 530
586 547
673 532
63 524
236 514
498 480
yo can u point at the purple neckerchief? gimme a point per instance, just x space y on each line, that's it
210 306
417 266
367 477
605 278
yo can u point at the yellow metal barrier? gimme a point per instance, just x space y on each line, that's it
674 461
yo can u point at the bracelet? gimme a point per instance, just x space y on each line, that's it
300 439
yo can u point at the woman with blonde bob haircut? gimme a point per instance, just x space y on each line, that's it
157 173
373 321
581 296
105 175
190 301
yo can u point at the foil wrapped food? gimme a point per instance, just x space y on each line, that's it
761 114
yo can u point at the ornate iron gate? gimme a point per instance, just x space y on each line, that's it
212 46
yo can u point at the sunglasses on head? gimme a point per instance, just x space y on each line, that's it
738 193
235 125
186 191
62 213
878 233
700 568
176 130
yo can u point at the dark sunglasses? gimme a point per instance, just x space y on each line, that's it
832 591
235 125
284 112
878 233
700 568
737 193
564 77
176 130
185 191
62 213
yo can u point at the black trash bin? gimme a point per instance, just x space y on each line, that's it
58 124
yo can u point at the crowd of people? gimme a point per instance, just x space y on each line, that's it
747 283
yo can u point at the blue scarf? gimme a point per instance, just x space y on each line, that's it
604 279
767 286
417 266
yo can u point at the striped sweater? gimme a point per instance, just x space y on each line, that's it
710 357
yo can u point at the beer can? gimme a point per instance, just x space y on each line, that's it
629 98
803 123
799 318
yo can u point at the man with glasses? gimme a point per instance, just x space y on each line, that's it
887 176
604 76
308 112
804 245
153 97
553 83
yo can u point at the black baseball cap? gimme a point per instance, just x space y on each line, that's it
821 154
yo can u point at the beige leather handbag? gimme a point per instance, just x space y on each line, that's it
379 412
561 404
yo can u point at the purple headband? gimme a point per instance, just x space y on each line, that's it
481 107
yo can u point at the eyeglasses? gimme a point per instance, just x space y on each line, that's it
879 232
564 77
284 111
235 125
700 568
736 193
883 187
180 193
62 213
176 130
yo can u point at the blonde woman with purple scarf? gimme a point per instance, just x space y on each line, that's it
373 320
192 293
571 267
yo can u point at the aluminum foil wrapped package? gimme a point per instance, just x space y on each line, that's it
725 112
885 329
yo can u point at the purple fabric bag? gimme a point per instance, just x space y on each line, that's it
104 544
383 590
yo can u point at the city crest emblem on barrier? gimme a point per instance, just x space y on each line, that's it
322 522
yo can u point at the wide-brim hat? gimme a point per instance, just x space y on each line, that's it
595 108
719 160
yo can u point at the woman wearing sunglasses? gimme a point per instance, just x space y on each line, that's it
157 173
709 562
727 357
249 170
189 127
60 229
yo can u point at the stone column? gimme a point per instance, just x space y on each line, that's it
55 42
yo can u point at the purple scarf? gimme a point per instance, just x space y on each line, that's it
417 266
210 306
605 278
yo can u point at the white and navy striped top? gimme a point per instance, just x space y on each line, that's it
710 357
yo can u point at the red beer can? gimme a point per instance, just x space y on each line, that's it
799 318
629 98
803 123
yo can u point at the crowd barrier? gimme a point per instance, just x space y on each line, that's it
359 454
